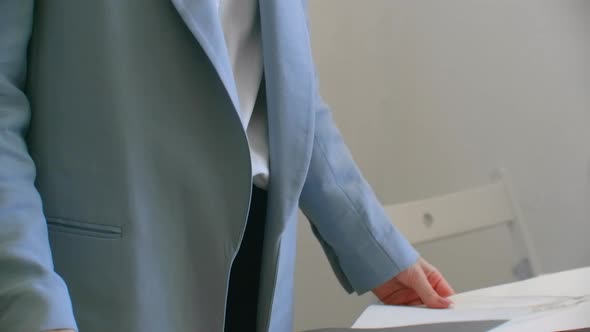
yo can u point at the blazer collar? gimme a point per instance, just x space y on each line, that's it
202 19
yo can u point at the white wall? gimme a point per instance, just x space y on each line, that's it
433 95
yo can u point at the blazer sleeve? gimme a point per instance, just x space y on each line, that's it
32 296
363 246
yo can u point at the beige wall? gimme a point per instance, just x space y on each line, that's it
432 95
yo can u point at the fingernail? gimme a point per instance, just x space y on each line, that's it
445 301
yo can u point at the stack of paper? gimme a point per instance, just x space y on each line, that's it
521 313
474 326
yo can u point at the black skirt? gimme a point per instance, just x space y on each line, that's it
242 299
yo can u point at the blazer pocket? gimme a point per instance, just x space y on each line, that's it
83 228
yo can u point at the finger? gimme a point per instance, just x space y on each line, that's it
416 303
427 294
436 279
400 297
440 284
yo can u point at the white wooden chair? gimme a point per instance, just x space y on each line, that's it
476 237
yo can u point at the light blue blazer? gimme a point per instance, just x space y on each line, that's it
125 173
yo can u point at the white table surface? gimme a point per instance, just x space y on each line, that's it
550 302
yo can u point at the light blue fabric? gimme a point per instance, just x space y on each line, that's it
120 117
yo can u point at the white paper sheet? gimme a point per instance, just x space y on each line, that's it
382 316
470 326
539 313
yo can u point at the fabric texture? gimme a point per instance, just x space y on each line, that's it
123 151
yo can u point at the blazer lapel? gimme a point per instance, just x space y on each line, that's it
202 19
287 70
289 83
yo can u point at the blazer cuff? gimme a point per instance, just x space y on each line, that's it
370 262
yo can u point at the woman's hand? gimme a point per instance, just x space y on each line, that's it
420 284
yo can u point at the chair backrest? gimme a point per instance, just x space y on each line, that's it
449 218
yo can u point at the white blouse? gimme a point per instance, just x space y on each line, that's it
241 26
